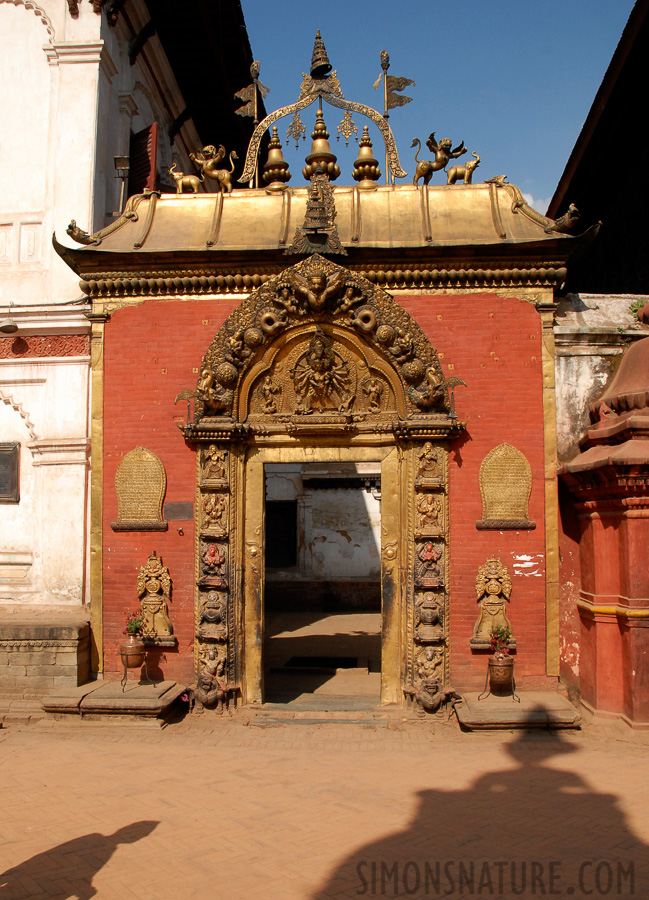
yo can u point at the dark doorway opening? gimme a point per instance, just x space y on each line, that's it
322 600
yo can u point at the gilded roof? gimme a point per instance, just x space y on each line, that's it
401 216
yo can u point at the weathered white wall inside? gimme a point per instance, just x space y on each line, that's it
339 529
591 334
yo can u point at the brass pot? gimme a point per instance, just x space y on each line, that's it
132 651
501 671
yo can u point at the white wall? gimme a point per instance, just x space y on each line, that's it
69 100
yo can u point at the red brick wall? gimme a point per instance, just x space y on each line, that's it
494 344
152 352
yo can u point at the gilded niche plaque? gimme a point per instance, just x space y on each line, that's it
505 486
140 485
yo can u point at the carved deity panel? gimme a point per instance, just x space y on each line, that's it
430 466
214 513
493 589
213 564
154 594
318 372
214 465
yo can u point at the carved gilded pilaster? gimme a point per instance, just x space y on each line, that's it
98 320
546 308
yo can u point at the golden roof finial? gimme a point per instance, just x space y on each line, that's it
320 65
321 152
366 168
276 172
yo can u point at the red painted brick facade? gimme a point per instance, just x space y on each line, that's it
152 351
493 344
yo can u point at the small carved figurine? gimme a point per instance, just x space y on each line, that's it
428 661
212 687
317 288
154 593
463 173
443 154
208 159
215 511
430 557
321 378
191 182
428 619
403 346
214 463
211 393
373 389
269 391
213 620
430 695
213 560
427 462
429 511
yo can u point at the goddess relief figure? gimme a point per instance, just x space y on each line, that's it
321 378
154 593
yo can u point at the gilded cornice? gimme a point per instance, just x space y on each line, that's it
134 285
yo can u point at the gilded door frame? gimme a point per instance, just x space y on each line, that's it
258 402
251 479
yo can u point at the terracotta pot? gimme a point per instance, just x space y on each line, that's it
501 671
643 314
132 651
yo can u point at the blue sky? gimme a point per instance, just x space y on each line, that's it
513 79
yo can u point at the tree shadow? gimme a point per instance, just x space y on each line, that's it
531 830
67 871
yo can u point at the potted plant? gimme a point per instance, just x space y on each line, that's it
132 650
501 664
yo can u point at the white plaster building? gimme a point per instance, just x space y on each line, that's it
79 79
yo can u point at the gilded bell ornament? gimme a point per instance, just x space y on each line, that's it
320 65
276 172
321 154
366 168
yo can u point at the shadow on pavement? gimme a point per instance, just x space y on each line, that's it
527 831
67 870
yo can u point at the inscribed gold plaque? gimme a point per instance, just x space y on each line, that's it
140 484
505 486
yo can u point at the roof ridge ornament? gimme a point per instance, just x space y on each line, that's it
321 84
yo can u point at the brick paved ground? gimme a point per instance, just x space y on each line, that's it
227 810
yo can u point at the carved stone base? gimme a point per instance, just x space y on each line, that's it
163 640
505 525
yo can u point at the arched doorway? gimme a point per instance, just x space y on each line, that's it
320 367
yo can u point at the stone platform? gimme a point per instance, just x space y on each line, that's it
101 698
42 648
537 709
